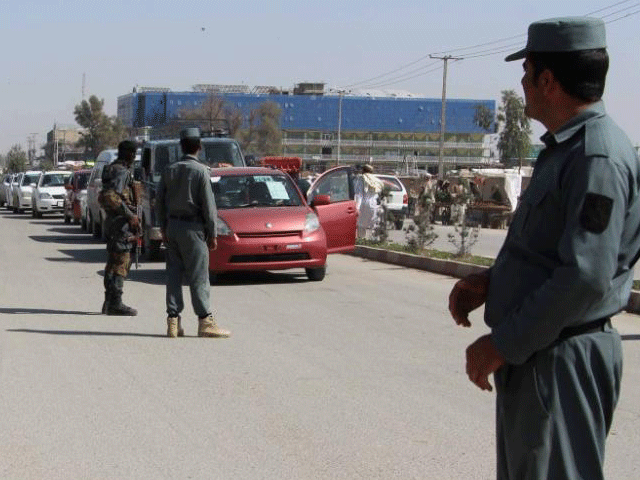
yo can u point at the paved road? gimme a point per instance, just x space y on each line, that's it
360 376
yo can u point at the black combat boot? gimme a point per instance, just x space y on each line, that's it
108 292
115 306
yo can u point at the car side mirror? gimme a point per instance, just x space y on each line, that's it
320 200
32 185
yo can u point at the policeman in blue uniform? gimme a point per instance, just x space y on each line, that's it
186 207
565 268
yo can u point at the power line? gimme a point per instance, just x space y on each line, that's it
625 12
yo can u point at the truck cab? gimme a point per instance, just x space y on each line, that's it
156 156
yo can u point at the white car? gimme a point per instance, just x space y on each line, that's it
13 185
4 188
397 200
23 191
48 195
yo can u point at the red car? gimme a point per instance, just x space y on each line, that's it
76 193
265 222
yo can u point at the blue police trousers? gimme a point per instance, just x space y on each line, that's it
553 412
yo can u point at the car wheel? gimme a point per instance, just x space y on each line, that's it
96 230
102 230
213 278
316 274
151 250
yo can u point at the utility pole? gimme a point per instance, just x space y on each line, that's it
443 115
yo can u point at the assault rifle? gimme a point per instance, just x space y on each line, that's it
137 189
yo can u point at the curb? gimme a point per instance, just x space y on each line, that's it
450 268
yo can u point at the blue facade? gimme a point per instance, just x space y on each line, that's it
316 112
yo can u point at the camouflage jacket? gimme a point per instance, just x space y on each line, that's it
116 196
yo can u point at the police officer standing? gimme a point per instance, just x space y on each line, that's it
121 226
565 268
186 207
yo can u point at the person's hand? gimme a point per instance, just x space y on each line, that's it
134 222
467 295
212 243
483 358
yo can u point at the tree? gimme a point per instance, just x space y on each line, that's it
212 115
16 159
483 117
263 135
513 143
101 131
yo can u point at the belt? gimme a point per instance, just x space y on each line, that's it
589 327
186 218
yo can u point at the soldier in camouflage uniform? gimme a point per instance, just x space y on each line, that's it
121 226
187 212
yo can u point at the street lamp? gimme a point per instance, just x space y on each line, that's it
340 92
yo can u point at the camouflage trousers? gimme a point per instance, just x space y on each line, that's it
118 263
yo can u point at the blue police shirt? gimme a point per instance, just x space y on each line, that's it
567 256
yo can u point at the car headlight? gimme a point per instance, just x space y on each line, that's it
222 228
311 223
45 195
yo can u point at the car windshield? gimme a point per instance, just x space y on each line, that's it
31 178
53 180
242 191
216 153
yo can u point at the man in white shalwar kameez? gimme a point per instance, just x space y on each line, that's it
368 189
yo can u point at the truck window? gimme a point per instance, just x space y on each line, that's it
215 153
162 160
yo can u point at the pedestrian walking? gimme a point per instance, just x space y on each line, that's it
367 195
187 212
121 226
565 268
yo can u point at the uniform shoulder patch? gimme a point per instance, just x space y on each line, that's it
596 212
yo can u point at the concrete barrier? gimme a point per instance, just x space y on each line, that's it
450 268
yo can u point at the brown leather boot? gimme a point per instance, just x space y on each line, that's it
207 327
174 327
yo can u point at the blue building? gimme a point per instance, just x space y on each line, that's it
341 127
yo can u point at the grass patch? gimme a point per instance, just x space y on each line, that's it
472 259
439 254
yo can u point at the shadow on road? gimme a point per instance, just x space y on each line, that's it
94 255
630 337
70 230
89 333
257 278
43 311
62 239
142 275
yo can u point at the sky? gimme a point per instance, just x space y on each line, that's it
50 45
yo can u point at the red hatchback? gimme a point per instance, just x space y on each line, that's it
265 223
